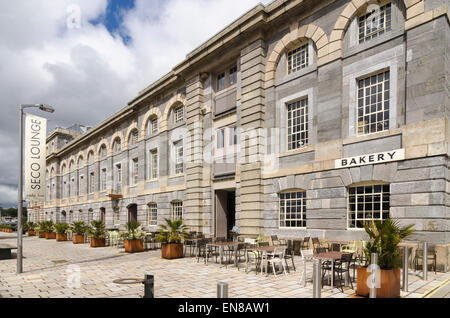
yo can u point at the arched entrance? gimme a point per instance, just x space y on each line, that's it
63 217
132 213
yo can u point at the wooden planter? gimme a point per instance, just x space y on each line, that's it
50 235
61 237
78 238
134 246
98 242
172 251
31 233
42 235
390 283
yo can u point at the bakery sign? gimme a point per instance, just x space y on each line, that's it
372 159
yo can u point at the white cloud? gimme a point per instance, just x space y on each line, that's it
8 196
87 73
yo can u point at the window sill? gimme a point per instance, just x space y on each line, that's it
378 135
152 180
225 90
177 176
297 151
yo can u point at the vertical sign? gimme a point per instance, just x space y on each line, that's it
35 158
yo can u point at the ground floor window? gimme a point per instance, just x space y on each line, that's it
177 210
152 214
368 203
293 209
116 216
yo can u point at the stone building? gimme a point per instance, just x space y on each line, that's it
301 118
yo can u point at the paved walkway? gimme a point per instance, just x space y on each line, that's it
52 270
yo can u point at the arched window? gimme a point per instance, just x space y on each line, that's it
63 183
152 126
80 162
292 209
178 114
91 157
103 152
117 145
177 210
368 202
133 139
152 214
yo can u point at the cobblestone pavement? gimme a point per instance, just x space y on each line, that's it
50 266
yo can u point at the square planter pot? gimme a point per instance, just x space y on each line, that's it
98 242
42 235
389 285
134 246
61 237
31 233
78 239
172 251
50 235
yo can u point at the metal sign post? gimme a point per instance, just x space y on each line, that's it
222 290
425 261
373 275
317 279
405 269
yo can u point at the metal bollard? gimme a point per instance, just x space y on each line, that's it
149 286
405 269
222 290
317 279
425 261
373 275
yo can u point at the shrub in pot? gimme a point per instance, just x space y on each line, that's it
50 230
170 237
134 238
384 240
41 229
31 228
61 232
78 230
97 234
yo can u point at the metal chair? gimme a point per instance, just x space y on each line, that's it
342 267
305 243
431 256
277 257
307 257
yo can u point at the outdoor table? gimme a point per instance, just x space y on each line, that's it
221 246
261 250
329 256
193 241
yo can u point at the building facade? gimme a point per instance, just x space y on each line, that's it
301 118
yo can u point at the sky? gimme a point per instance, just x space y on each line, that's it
89 58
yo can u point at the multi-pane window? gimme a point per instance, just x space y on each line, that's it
116 216
220 138
117 147
297 124
298 59
368 203
90 157
152 214
153 172
103 152
134 171
179 160
373 103
91 182
179 114
133 138
293 209
80 183
177 210
233 75
153 126
220 82
375 23
233 136
118 178
103 180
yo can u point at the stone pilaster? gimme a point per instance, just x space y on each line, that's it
194 154
251 138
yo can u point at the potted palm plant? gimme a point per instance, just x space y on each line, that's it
97 234
170 238
42 229
385 237
50 230
31 228
61 231
79 230
134 242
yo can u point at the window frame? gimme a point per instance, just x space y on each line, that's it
175 205
356 212
363 18
153 172
303 206
134 172
307 123
305 46
178 160
152 214
177 118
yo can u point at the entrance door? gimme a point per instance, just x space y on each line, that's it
225 212
132 213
